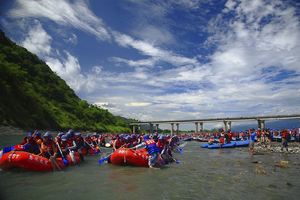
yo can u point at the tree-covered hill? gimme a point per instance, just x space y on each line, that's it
34 97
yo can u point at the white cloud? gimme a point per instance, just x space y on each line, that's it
138 104
72 13
37 40
153 34
155 53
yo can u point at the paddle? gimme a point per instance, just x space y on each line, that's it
176 161
102 160
66 162
180 147
91 146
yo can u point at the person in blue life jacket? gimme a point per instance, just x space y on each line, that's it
252 136
152 149
31 145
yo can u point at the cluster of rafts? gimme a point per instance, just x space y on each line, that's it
17 158
123 156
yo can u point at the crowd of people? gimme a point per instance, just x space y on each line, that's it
261 136
70 143
159 147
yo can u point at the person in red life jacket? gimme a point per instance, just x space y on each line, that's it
25 139
71 145
153 151
63 146
161 143
222 137
94 138
49 150
211 140
117 143
80 144
284 140
101 140
230 135
258 135
166 153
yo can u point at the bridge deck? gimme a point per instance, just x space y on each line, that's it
270 117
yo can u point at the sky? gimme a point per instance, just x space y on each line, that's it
167 60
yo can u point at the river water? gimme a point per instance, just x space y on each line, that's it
201 174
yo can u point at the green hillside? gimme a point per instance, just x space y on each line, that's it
34 97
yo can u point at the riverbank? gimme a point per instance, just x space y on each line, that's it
294 147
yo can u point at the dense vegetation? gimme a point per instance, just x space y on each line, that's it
34 97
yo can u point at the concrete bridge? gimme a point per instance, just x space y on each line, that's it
200 122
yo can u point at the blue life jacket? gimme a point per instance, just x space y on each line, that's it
151 147
252 136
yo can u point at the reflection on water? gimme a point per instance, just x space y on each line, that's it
201 174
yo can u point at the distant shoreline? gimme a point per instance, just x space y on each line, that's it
10 130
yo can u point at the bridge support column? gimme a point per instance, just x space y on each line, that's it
156 127
261 124
177 128
201 126
229 125
133 129
172 128
197 127
225 125
151 128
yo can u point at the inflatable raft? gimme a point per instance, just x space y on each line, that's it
218 145
31 162
232 144
125 156
242 143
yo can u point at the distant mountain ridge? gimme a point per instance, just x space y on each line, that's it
275 124
32 96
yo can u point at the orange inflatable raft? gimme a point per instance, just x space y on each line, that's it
31 162
125 156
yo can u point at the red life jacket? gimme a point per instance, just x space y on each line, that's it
284 134
48 147
222 141
70 143
160 144
117 143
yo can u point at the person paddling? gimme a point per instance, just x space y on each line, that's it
152 149
49 150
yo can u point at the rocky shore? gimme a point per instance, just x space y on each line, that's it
275 147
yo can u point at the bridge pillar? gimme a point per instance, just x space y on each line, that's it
197 127
172 128
201 126
151 128
133 129
177 128
225 125
156 127
261 124
229 125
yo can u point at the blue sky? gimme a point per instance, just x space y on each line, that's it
177 59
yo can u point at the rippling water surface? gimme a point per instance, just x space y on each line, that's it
202 174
